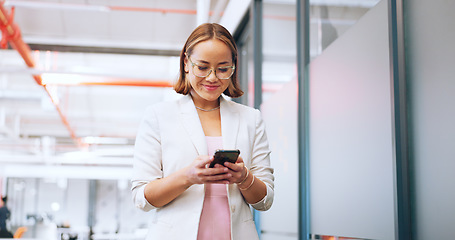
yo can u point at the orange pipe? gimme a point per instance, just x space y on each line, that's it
101 81
161 10
131 83
62 116
71 79
185 11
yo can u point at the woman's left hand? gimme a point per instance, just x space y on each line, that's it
237 170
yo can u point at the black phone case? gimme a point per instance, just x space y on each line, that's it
222 156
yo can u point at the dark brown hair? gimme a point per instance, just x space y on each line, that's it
204 32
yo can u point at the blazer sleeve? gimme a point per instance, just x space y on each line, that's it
260 164
147 162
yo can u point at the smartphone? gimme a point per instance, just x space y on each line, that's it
222 156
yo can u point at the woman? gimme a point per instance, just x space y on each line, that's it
176 141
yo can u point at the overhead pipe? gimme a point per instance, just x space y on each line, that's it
62 116
129 83
71 79
160 10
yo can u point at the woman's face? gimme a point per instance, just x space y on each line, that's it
209 54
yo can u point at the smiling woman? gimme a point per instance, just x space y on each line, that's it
200 35
207 89
176 142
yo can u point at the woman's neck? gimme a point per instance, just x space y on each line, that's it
203 104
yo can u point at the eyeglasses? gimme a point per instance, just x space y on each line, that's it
204 71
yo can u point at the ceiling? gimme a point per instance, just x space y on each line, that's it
97 64
100 62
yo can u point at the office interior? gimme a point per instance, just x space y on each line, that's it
357 96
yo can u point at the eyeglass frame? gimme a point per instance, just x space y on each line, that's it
211 69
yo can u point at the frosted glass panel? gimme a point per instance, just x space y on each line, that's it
280 116
351 148
430 60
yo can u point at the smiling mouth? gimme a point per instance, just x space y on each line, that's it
210 87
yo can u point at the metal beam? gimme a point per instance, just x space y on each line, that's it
257 51
403 230
61 47
256 17
92 206
303 60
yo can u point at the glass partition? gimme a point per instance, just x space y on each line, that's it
350 135
279 109
331 19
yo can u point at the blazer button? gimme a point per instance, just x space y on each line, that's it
232 208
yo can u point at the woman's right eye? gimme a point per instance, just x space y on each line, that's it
202 68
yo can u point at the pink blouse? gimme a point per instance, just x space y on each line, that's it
215 222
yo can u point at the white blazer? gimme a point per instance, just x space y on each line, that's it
170 137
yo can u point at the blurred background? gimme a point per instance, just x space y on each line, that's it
77 75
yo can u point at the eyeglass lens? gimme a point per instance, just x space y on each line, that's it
205 71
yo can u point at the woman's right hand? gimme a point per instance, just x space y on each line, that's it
198 172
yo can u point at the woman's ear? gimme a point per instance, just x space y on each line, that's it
185 62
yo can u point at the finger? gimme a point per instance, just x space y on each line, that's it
218 177
204 160
217 170
219 166
235 166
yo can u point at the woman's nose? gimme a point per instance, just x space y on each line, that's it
211 76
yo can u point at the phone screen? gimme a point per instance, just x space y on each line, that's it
222 156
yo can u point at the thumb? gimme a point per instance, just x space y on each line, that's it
204 160
239 160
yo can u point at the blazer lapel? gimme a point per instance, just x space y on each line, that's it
192 124
229 124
